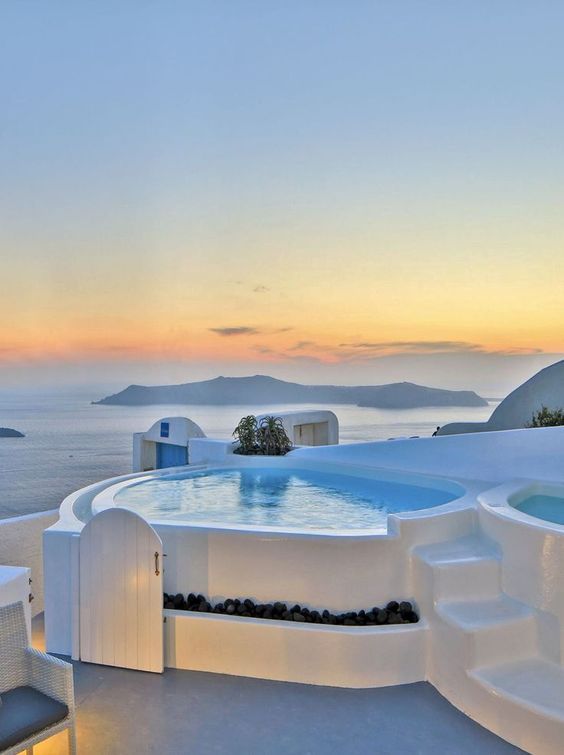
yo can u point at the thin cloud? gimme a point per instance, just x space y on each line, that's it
248 330
410 346
265 350
302 345
239 330
517 351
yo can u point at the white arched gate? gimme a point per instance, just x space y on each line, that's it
121 592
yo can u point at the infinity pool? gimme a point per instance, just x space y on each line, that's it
279 498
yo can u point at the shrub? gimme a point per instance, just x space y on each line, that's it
546 417
246 434
272 437
267 438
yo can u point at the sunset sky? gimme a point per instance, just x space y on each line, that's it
328 191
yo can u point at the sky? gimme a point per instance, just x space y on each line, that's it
321 191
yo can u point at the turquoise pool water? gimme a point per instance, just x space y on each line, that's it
547 507
278 498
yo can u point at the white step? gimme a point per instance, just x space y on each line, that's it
468 567
465 549
534 684
522 702
493 630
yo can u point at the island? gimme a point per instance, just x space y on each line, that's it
8 432
265 390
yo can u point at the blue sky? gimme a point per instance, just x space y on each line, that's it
318 173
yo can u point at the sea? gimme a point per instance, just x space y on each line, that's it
71 442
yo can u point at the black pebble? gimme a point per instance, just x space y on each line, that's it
394 613
382 616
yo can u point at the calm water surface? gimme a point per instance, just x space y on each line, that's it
278 498
70 442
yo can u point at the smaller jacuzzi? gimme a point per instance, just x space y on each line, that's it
530 501
541 501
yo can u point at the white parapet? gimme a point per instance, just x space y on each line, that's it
334 656
14 588
21 544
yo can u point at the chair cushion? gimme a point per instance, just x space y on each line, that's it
25 711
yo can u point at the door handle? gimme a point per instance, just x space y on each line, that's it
157 572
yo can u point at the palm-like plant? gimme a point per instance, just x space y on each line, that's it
246 434
268 437
272 437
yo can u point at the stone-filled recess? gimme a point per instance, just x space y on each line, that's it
393 613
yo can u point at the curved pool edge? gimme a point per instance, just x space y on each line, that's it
500 501
468 490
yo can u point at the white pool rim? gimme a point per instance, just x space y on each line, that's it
501 501
465 492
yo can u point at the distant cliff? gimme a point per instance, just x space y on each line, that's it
8 432
261 389
546 388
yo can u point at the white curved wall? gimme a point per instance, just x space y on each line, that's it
21 544
532 560
494 457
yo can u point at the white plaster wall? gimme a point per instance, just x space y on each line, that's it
495 456
14 587
180 430
532 562
137 461
309 653
209 451
309 417
334 571
328 572
21 544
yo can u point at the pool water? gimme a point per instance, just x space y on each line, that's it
547 507
278 498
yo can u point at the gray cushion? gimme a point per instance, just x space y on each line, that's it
25 711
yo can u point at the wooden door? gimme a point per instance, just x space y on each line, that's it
121 592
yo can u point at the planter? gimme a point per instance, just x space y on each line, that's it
337 656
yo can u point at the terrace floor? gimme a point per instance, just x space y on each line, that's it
121 712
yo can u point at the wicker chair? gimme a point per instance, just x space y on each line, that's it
25 673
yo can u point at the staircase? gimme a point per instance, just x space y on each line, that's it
487 654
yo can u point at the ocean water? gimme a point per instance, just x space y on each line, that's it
70 442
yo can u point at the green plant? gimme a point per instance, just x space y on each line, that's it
246 434
546 417
267 438
272 437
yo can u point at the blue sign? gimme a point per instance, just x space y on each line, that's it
165 429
